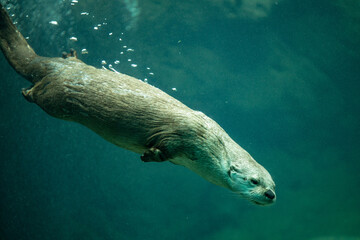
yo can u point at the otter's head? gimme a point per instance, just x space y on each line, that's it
251 181
230 166
220 160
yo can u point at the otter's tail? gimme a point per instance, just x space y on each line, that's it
15 48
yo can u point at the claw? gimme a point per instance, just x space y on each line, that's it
26 92
73 53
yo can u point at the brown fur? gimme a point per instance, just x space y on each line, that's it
133 115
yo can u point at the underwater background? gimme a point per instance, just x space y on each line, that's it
281 77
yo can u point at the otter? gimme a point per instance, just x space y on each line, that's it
136 116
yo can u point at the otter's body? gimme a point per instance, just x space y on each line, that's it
105 101
136 116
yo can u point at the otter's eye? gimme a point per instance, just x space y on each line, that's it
254 181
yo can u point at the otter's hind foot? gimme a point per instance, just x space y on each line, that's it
153 155
72 53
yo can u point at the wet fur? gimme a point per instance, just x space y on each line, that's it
132 114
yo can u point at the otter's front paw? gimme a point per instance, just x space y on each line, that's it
26 92
153 155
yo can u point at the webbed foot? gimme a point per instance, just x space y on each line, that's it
72 53
153 155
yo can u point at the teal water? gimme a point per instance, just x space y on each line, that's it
281 77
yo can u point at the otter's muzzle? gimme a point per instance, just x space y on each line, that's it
270 194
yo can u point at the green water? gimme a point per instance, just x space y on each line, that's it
281 77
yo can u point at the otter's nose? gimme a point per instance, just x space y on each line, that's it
270 194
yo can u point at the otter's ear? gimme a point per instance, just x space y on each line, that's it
229 172
233 170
